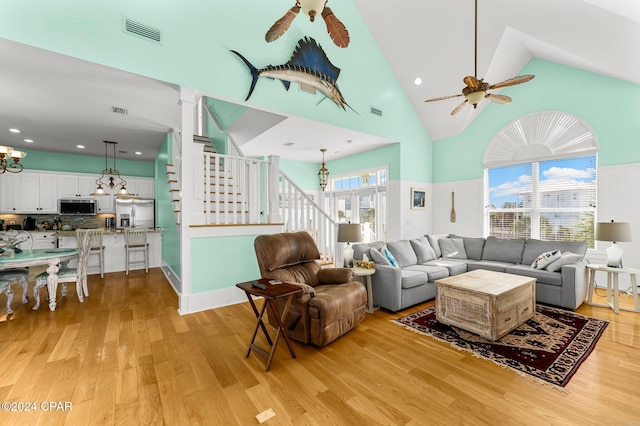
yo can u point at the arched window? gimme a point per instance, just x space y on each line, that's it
541 179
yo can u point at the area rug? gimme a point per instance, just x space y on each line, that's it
550 346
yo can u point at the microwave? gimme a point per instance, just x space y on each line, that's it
78 206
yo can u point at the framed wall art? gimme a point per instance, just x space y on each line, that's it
418 199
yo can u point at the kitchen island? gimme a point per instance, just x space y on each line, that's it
114 251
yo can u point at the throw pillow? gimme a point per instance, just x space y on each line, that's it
403 253
452 248
379 258
433 242
545 258
390 258
423 250
567 258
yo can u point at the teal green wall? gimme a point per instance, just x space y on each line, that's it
40 160
221 262
303 173
389 155
197 37
609 105
164 209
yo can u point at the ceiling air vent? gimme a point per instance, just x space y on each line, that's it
119 110
139 29
376 111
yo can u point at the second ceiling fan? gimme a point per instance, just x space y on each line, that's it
476 89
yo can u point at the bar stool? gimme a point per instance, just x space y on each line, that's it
136 239
96 243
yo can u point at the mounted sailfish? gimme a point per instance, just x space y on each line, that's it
308 66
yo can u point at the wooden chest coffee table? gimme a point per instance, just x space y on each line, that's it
487 303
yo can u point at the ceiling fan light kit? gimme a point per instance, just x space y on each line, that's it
476 89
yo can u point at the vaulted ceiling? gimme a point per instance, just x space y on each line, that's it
63 99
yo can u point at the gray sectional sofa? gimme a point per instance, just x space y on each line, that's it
559 267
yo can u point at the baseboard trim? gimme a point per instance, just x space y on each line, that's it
171 277
191 303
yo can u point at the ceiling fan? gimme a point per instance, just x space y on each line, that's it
476 89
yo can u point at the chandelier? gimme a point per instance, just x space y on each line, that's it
6 165
111 173
323 174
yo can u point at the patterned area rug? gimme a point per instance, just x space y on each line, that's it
550 346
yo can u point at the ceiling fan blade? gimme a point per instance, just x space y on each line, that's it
513 81
443 98
499 99
471 82
459 107
335 28
282 25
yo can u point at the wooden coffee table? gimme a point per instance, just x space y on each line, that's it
487 303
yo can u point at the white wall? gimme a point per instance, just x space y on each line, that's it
469 208
405 223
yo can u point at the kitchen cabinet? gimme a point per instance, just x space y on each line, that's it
140 187
9 193
38 193
43 240
72 186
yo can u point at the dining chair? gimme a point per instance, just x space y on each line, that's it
10 276
68 275
96 243
136 239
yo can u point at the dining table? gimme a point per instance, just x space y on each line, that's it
52 258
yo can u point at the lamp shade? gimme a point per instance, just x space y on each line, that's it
613 231
349 233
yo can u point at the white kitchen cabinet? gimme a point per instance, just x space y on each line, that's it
106 203
9 193
43 240
140 187
38 193
72 186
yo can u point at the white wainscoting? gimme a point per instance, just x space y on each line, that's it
469 207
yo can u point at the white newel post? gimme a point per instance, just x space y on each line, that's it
273 193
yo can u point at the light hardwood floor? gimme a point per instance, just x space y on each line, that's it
126 356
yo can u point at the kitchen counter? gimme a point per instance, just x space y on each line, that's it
106 232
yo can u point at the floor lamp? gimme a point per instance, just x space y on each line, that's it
614 232
349 233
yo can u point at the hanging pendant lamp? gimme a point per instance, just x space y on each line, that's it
111 174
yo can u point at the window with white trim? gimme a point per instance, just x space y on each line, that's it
541 179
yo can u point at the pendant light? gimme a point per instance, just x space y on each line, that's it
323 174
111 173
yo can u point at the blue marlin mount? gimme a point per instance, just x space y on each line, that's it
308 66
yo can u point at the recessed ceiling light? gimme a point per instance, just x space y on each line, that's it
138 153
28 140
418 81
288 143
80 146
14 130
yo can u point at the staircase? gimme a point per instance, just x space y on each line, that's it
237 190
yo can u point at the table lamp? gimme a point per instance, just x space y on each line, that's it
348 233
614 232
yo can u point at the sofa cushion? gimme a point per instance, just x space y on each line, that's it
379 258
452 248
433 272
474 247
424 251
541 275
545 259
389 257
455 267
567 258
433 242
403 253
364 248
533 248
413 278
490 265
502 250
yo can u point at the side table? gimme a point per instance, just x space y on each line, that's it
270 294
612 286
362 272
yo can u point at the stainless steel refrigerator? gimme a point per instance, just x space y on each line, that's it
135 213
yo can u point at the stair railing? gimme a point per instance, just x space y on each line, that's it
300 212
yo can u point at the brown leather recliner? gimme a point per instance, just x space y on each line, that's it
331 304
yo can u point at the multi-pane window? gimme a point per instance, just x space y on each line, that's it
361 198
551 200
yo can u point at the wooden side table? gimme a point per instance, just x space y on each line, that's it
362 272
612 286
270 294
